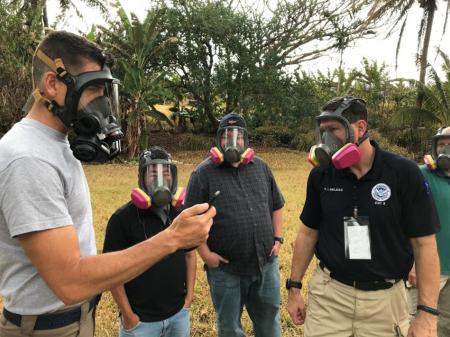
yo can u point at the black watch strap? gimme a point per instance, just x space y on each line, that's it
280 239
432 311
293 284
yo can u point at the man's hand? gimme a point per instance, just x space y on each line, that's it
412 276
187 302
130 321
191 227
296 306
275 248
213 260
424 325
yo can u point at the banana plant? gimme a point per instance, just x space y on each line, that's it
138 47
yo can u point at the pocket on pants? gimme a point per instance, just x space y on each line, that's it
400 309
399 332
218 278
130 331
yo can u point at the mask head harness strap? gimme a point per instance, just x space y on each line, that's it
62 74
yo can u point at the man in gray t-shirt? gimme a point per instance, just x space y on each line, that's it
49 274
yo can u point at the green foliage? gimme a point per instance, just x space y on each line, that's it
300 138
19 33
138 48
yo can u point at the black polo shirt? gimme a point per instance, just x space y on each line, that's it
159 292
395 197
242 231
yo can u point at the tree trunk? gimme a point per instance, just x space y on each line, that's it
431 7
133 135
44 14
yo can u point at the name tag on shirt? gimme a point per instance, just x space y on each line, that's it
357 238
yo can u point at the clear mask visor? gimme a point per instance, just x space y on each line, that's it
235 138
332 133
157 176
109 91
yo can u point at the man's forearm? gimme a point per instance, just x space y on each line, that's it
98 273
277 222
120 297
73 278
303 252
203 250
191 270
427 270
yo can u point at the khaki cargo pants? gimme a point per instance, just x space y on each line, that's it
83 328
338 310
443 306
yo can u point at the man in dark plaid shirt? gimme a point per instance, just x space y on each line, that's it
241 253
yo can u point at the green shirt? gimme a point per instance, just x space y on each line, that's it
440 188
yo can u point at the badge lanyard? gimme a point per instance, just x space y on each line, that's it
357 233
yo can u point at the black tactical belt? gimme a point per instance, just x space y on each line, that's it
362 285
51 321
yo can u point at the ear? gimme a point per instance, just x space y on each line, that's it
49 85
361 128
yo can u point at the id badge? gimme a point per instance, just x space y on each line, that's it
357 238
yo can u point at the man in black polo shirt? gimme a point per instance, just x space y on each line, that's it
154 304
368 214
241 252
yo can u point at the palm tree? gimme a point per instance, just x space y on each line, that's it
40 6
397 11
138 46
437 96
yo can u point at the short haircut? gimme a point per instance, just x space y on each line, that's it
72 49
355 112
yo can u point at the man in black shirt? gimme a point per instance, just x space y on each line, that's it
241 251
368 214
155 303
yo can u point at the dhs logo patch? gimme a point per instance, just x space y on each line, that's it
381 192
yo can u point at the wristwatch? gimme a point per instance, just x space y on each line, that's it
280 239
293 284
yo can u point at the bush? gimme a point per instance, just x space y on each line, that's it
303 140
271 136
279 136
385 144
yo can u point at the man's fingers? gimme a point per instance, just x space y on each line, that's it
196 209
211 212
223 259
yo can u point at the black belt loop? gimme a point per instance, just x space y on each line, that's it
362 285
51 321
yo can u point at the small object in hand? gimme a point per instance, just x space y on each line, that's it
213 198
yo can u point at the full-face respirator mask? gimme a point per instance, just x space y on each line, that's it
157 181
440 154
232 141
331 150
91 108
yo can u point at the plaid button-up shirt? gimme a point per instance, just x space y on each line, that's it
242 231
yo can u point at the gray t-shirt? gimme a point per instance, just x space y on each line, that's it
42 186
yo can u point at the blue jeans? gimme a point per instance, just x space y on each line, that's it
260 294
177 325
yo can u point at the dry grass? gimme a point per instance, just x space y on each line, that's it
110 186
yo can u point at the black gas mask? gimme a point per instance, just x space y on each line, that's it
91 108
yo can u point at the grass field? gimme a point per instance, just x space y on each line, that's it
110 187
